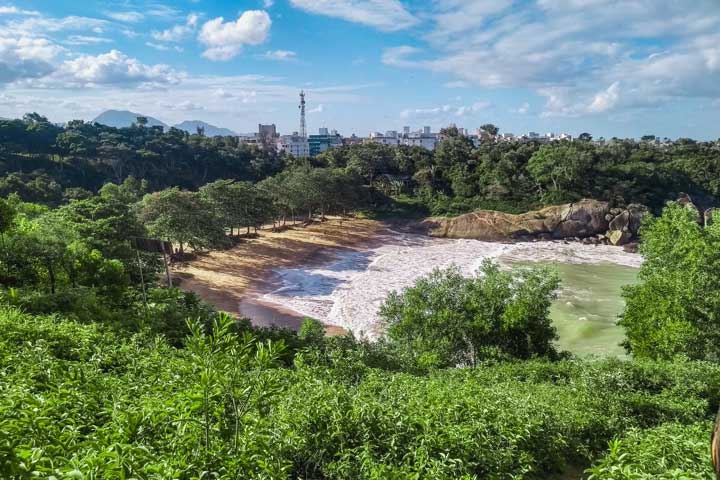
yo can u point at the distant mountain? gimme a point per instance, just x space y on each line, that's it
123 118
191 126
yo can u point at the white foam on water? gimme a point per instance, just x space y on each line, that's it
349 288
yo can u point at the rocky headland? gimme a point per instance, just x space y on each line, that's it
589 221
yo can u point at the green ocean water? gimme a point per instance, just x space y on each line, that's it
589 302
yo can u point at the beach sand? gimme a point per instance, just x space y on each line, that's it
233 280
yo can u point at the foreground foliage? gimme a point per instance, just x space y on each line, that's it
81 401
671 451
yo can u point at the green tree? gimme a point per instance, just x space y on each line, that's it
446 319
675 309
182 217
561 171
490 129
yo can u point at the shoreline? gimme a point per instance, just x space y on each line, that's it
241 280
234 280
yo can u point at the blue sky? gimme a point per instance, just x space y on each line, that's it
611 67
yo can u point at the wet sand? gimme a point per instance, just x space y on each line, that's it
234 280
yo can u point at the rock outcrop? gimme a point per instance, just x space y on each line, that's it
590 220
710 215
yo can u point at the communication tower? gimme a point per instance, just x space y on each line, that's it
303 128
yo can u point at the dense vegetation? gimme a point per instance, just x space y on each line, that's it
79 401
48 164
105 375
675 310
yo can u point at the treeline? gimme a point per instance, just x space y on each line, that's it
203 219
48 164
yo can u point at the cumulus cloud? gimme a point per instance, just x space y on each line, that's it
280 55
177 32
26 58
114 68
386 15
226 40
583 56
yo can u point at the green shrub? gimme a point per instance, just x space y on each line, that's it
671 451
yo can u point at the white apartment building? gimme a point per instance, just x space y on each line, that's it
294 145
385 139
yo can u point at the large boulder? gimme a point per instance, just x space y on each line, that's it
621 222
619 237
629 219
582 219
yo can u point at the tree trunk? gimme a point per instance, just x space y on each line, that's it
51 277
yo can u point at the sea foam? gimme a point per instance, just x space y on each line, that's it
348 289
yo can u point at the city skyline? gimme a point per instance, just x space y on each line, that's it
622 68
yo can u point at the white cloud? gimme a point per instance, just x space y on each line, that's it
114 68
41 26
470 109
280 55
164 48
606 99
225 40
268 3
319 109
444 112
129 17
178 32
163 11
457 84
26 58
386 15
86 40
10 10
570 51
522 109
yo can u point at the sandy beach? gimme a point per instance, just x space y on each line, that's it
233 280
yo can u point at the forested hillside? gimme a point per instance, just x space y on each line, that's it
51 165
107 373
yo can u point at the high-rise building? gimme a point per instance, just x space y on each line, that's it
267 131
324 141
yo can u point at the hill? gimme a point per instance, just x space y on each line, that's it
124 118
191 126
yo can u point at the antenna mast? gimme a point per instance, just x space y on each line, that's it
303 129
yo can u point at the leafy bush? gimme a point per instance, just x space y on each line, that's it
673 311
671 451
446 319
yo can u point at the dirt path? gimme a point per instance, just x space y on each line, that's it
229 279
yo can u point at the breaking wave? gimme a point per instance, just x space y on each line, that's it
348 289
